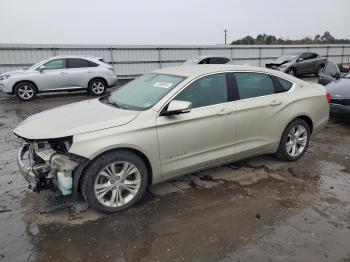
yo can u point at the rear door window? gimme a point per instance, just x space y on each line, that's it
254 85
79 63
218 60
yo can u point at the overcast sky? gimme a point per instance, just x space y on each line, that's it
167 22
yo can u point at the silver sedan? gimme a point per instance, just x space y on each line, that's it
167 123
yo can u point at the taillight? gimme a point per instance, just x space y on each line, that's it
329 97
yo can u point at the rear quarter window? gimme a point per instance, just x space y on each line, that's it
286 85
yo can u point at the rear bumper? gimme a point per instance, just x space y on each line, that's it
340 111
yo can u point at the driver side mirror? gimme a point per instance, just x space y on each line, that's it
300 59
41 68
177 107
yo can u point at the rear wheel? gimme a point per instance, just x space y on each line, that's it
294 141
25 91
115 181
97 87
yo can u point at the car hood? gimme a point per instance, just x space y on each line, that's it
11 73
339 88
278 63
73 119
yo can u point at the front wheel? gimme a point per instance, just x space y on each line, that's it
25 91
115 181
97 87
294 141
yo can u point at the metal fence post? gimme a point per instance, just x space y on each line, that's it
54 51
282 50
199 51
260 55
111 53
232 53
342 55
159 57
327 52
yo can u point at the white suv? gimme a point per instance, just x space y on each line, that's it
61 73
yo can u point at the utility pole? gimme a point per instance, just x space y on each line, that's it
225 36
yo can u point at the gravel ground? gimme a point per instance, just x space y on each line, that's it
260 209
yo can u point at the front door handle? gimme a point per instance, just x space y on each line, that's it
225 111
64 73
275 103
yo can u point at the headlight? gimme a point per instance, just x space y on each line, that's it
3 77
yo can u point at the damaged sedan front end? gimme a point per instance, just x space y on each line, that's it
47 165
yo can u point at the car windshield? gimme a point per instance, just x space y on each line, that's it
37 64
143 92
192 61
286 58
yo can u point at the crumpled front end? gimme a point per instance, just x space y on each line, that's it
47 165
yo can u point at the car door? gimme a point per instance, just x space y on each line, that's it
80 71
329 74
304 64
203 136
262 112
53 76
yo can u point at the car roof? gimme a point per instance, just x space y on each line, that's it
75 56
194 71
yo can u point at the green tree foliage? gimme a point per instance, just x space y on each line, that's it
264 39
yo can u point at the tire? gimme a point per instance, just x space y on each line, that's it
290 141
291 71
108 190
97 87
25 91
319 70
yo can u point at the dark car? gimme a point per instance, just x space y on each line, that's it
298 64
340 98
332 72
207 60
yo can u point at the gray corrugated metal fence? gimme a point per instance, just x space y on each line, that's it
130 61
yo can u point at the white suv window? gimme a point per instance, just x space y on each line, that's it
55 64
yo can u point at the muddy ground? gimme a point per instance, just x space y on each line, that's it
260 209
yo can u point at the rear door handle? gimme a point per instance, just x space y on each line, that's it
225 111
64 73
275 103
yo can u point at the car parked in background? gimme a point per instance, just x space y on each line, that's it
60 73
207 60
170 122
297 64
332 72
339 88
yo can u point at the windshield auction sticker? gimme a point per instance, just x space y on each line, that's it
163 84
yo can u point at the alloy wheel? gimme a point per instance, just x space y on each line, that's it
98 88
25 92
296 140
117 184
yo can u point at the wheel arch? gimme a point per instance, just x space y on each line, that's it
100 78
24 81
80 171
304 117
